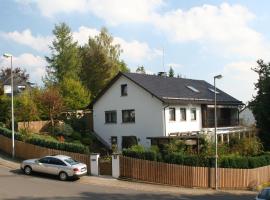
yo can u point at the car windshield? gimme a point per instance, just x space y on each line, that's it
265 194
71 161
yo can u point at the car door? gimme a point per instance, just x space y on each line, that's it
56 165
41 165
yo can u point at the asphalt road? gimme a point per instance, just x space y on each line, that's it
17 186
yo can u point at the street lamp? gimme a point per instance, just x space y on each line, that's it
216 147
7 55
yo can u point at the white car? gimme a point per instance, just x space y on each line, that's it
264 194
63 166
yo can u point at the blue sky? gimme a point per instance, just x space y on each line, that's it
200 38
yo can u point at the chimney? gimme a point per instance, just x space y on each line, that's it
164 74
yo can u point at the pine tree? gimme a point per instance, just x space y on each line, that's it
171 72
64 60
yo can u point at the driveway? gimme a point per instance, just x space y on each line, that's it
15 185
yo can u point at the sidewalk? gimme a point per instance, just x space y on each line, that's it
7 161
107 181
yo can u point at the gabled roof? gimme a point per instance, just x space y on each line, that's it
175 90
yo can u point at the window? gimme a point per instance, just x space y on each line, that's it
183 115
193 114
71 161
128 116
213 90
44 160
114 140
124 90
55 161
172 114
193 88
110 117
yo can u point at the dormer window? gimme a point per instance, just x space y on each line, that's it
124 90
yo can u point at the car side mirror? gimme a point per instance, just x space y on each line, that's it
37 161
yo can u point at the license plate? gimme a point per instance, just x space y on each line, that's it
83 169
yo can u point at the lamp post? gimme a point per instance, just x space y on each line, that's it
216 147
6 55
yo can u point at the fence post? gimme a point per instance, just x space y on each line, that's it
116 165
94 157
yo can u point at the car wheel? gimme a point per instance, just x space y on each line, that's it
63 176
27 170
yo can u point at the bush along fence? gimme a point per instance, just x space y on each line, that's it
230 161
37 140
190 176
30 148
235 172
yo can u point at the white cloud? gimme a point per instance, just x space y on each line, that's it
132 50
224 28
34 65
39 43
83 34
239 79
135 50
112 11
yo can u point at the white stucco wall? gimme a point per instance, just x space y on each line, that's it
183 126
148 113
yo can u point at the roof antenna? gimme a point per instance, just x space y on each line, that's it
163 59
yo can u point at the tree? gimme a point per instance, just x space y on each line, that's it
18 73
260 104
5 109
100 61
65 60
140 69
75 95
171 72
25 108
52 103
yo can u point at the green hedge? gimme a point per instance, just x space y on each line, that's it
8 133
145 155
38 140
230 161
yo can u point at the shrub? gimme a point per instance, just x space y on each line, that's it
145 155
76 136
62 129
129 141
65 146
48 142
8 133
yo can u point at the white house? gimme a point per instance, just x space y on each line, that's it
151 106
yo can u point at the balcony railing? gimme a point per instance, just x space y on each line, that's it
210 123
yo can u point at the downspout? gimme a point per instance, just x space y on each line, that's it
165 119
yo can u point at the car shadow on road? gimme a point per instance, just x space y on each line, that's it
143 196
40 175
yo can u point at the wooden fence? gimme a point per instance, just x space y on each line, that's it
27 151
188 176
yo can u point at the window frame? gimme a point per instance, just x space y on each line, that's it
174 117
124 91
111 121
129 117
185 116
195 114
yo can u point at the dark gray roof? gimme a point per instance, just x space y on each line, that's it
175 90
